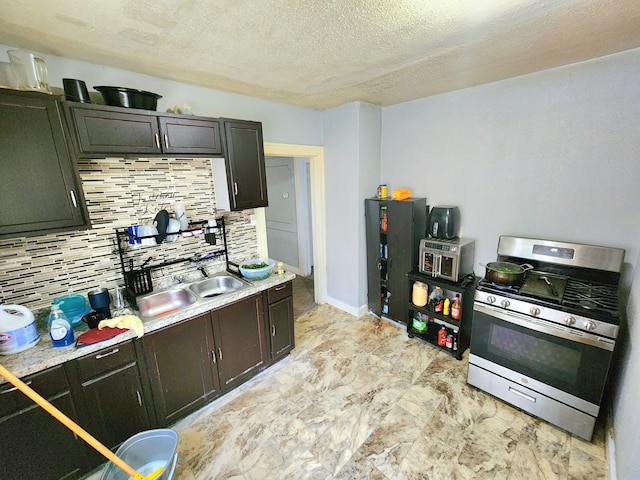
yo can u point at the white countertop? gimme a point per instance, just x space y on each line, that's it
43 355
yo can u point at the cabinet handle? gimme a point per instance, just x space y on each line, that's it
73 198
166 141
280 287
220 353
213 356
9 390
235 188
157 141
139 398
273 330
112 352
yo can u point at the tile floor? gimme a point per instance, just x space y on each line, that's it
358 399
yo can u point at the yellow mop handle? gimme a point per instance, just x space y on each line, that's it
74 427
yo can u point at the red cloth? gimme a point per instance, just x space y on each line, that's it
95 335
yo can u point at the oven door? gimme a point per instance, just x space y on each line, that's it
567 360
438 265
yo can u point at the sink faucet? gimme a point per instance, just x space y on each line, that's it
204 272
177 279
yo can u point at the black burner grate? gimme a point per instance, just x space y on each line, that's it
591 296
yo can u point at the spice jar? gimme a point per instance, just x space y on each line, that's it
419 294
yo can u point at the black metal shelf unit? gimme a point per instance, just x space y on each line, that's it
138 280
459 329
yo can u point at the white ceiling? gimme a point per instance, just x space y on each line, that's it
320 54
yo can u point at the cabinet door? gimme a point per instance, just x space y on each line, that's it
239 339
101 132
113 406
406 225
40 189
281 327
374 263
33 443
247 179
189 136
180 368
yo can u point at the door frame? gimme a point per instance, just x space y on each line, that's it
315 154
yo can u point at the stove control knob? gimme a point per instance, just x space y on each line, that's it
589 326
491 299
505 303
569 320
534 311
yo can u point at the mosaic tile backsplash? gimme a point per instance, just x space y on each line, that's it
122 192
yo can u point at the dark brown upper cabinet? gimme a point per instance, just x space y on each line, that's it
102 130
245 166
40 190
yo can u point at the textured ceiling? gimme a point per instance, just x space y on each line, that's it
321 54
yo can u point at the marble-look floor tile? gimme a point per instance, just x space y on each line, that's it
357 399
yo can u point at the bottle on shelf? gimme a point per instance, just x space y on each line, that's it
446 309
449 342
435 297
442 336
455 308
455 340
383 222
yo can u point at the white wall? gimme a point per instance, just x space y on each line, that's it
351 137
553 154
281 123
627 395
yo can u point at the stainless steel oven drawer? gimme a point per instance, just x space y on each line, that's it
559 414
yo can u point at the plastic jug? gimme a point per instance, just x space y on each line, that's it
29 71
17 329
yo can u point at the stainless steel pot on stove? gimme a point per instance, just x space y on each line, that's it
506 273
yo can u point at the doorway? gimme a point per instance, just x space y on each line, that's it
314 156
288 215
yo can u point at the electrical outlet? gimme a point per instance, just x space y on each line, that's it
252 219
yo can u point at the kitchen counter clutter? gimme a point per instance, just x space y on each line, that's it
125 385
43 355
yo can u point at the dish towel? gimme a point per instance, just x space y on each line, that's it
131 322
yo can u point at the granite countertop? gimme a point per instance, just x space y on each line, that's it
43 355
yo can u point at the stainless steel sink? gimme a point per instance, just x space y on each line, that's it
161 303
218 285
183 295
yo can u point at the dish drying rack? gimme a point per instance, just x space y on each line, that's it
138 281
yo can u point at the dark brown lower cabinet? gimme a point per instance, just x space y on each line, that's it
111 404
33 443
181 367
238 335
280 317
192 362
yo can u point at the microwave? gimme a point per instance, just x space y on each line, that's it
448 259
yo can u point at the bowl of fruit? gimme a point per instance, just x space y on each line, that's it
257 268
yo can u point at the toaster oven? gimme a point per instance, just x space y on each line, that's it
448 259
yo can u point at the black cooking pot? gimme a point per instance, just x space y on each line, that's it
506 273
129 97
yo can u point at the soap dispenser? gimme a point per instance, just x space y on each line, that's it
60 329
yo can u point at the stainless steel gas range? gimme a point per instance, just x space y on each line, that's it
546 345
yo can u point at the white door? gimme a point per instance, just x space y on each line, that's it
288 214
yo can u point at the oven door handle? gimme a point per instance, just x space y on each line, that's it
543 326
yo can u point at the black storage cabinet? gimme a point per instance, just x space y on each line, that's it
394 229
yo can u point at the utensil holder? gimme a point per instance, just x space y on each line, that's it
139 281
